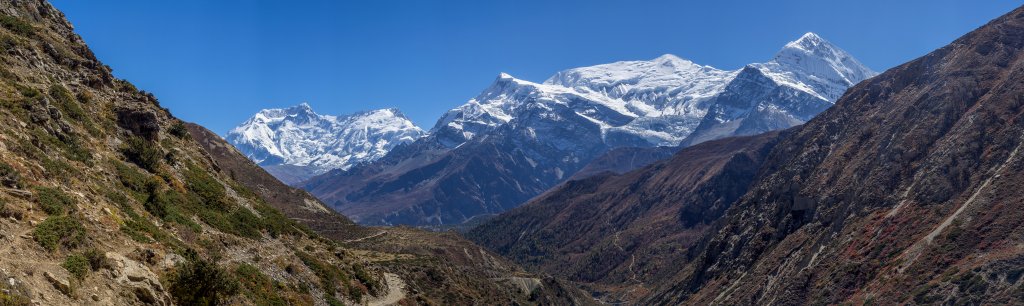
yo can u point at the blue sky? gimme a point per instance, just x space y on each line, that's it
218 62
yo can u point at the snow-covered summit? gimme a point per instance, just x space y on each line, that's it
298 136
813 62
665 98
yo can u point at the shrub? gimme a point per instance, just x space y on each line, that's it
179 130
54 201
143 153
9 177
59 231
97 259
77 265
16 25
200 282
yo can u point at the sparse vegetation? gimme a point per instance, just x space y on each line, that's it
9 177
178 130
95 258
257 286
200 282
54 201
67 102
17 25
59 231
330 276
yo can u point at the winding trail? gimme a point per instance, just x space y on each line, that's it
395 294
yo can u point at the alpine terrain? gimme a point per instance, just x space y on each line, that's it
906 192
519 138
108 199
296 143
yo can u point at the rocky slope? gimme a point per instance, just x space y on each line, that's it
621 235
519 138
107 199
905 192
296 143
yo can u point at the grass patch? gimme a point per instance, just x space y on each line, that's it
53 201
59 231
67 102
258 287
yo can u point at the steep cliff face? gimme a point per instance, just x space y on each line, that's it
621 235
107 199
907 191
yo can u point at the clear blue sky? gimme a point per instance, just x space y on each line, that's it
218 62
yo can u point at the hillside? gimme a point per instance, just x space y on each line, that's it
637 225
904 192
108 199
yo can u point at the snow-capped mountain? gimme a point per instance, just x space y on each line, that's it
296 143
662 101
517 138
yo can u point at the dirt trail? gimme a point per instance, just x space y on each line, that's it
396 292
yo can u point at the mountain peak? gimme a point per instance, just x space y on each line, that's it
811 37
812 43
812 60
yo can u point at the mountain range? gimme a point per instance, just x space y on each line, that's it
296 143
518 138
906 192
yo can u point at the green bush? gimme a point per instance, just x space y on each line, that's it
9 177
179 130
54 201
145 154
17 25
77 265
137 182
59 231
200 282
